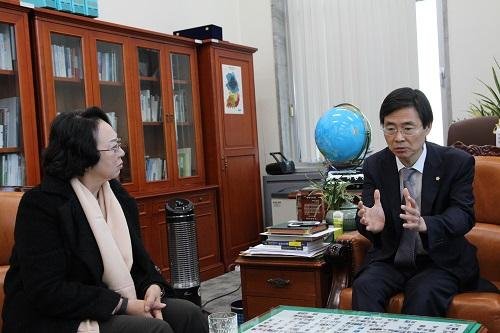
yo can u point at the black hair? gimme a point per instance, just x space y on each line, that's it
407 97
72 143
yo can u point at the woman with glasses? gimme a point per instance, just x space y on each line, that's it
78 264
417 207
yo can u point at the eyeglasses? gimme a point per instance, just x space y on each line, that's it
116 148
406 131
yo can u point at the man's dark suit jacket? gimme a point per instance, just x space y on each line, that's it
54 280
447 208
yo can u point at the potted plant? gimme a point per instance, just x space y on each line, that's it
336 196
488 105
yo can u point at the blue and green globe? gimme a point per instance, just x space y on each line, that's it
343 135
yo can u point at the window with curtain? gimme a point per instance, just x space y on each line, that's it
339 51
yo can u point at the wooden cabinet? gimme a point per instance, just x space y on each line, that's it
168 101
185 114
154 230
18 140
80 64
230 141
147 83
269 282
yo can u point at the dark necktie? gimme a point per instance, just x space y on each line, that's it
405 255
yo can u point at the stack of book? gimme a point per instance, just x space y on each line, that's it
294 238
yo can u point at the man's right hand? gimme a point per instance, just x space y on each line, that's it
373 218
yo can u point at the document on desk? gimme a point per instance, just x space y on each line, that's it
284 319
263 250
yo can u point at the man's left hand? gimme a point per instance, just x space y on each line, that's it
413 220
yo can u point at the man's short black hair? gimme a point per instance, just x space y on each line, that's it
407 97
72 143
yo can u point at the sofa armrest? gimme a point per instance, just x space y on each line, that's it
345 256
360 245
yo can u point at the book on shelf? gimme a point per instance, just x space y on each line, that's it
155 168
66 61
112 119
184 161
297 228
150 106
179 107
12 170
6 47
107 66
9 119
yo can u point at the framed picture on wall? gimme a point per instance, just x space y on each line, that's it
233 90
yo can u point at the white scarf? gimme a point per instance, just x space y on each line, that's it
113 239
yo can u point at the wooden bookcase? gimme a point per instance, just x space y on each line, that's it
230 140
185 113
147 82
19 164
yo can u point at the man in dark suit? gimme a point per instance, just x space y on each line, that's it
417 205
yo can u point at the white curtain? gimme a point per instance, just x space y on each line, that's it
348 51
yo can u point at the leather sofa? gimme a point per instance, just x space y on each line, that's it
473 131
347 253
9 201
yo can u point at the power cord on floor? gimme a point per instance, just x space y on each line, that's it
213 299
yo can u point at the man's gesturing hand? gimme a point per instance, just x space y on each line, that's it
373 218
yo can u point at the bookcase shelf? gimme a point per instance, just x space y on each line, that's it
149 78
111 83
152 123
10 150
19 163
72 80
8 72
186 82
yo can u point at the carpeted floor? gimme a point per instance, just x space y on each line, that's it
229 284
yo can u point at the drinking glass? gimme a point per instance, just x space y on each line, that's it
223 322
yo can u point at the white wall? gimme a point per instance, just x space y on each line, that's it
473 36
243 22
474 31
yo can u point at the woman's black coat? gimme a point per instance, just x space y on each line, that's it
54 280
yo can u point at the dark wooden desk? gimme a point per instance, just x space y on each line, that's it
269 282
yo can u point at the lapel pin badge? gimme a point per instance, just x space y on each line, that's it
438 178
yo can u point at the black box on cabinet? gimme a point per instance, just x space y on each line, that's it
210 31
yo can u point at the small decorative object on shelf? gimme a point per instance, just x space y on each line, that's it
310 205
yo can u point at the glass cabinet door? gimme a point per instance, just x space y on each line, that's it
183 113
68 72
152 115
12 162
113 102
